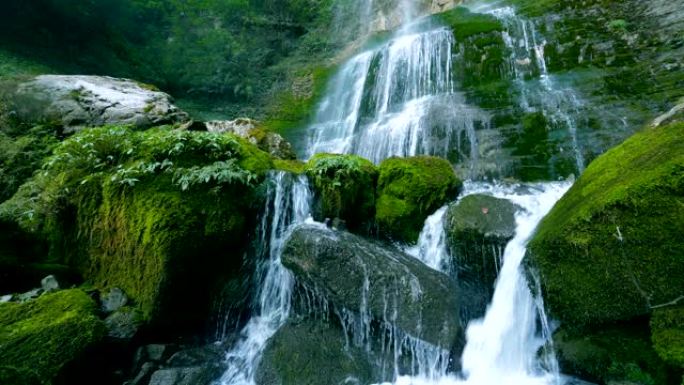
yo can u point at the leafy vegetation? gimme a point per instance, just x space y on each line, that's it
345 187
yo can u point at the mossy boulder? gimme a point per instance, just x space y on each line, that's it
616 354
162 214
667 334
610 249
381 283
408 191
345 188
478 228
40 337
309 352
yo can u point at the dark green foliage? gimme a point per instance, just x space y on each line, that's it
410 189
38 338
345 188
608 249
617 353
21 155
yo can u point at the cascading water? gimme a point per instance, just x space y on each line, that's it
502 348
539 91
288 204
399 100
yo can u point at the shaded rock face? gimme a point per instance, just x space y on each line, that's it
478 228
360 276
77 101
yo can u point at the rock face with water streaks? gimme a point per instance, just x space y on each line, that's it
76 102
383 285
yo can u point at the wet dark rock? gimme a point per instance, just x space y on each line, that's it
197 356
144 375
361 276
478 228
197 375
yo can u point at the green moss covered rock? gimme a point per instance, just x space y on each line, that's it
162 214
409 190
667 334
40 337
617 354
345 188
611 247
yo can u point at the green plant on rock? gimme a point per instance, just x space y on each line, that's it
38 338
345 187
410 189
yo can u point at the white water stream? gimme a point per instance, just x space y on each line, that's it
502 348
288 204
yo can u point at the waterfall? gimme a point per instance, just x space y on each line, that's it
502 348
561 105
288 204
399 100
431 248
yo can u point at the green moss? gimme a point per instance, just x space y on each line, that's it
667 334
345 188
410 189
38 338
611 246
466 24
294 107
292 166
614 354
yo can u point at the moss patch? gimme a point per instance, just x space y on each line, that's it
610 248
466 24
617 353
38 338
410 189
345 188
667 334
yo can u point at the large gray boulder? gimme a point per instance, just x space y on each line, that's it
77 101
382 284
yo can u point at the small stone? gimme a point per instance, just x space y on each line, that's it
49 284
144 375
6 298
123 324
114 300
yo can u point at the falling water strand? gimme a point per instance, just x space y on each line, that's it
431 248
559 104
502 347
398 100
288 204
